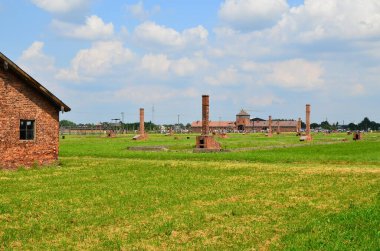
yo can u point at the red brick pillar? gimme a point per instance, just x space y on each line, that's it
205 114
142 130
307 120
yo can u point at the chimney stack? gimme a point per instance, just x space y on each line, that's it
205 114
142 130
206 142
308 120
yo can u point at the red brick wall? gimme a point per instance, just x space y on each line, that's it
20 101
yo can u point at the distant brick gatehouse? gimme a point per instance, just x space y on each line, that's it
244 123
29 119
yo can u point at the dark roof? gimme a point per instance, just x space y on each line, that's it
7 63
257 119
282 123
242 113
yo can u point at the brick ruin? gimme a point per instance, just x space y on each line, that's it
206 142
357 136
142 134
23 101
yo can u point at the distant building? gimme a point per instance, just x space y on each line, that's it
29 118
244 123
196 126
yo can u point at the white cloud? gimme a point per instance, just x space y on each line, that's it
227 77
153 94
156 64
239 44
152 34
337 19
184 66
252 14
94 28
196 35
138 11
160 64
250 66
99 60
41 67
61 6
296 74
357 90
188 66
34 60
264 100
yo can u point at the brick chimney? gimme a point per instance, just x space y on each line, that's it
142 130
206 142
205 114
308 120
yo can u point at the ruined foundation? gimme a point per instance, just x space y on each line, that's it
223 135
357 136
206 142
111 134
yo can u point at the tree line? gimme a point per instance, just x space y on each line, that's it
120 126
365 125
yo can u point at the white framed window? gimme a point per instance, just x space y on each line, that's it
27 129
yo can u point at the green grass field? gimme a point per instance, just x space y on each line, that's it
260 193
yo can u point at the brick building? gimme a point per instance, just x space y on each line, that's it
29 118
244 123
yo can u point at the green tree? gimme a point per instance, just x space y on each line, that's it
352 127
66 123
374 125
326 125
314 125
365 124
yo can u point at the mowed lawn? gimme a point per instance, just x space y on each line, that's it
262 193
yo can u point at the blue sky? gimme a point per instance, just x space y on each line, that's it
270 57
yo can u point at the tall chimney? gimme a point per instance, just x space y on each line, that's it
307 120
142 131
205 114
270 125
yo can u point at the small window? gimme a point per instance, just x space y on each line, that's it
27 129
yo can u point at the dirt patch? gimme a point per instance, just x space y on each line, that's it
148 148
